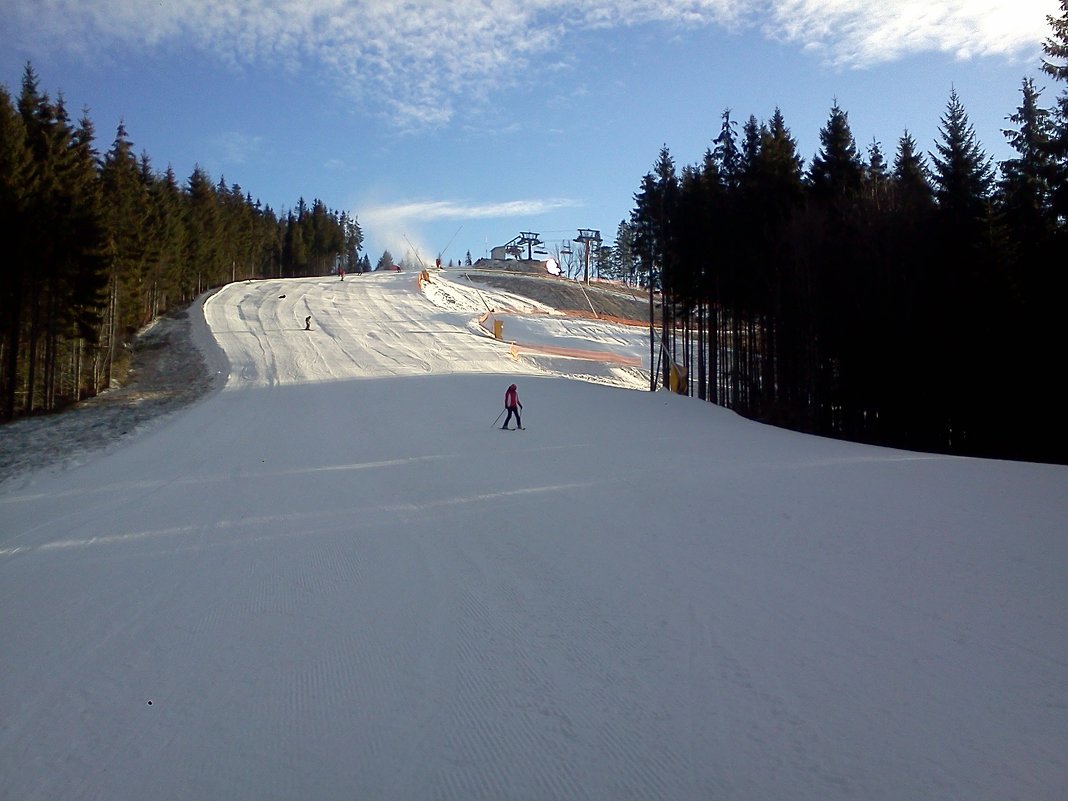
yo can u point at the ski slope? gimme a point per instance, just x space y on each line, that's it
333 578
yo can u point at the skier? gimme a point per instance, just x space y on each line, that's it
307 323
512 404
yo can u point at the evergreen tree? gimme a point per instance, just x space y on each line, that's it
385 261
203 266
78 225
652 219
910 183
1055 64
353 240
88 256
968 285
625 256
836 174
838 268
774 175
1056 45
751 136
126 208
963 173
168 202
876 177
62 281
1025 183
649 223
17 188
294 249
727 157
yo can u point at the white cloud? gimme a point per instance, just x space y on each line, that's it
235 147
399 225
422 211
417 62
864 32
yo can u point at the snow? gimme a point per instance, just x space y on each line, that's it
331 577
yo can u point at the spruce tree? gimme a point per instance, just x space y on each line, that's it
837 173
169 205
910 180
653 218
126 206
61 280
775 169
653 215
17 187
963 173
750 149
838 268
89 256
625 256
876 177
203 268
1025 182
352 235
1056 45
385 261
727 157
294 250
1055 64
968 284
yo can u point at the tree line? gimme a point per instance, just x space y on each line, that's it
100 245
915 301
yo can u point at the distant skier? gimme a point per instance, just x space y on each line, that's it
307 323
512 404
341 272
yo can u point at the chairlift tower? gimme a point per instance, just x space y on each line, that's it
526 238
587 236
531 240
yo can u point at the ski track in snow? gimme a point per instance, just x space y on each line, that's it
334 579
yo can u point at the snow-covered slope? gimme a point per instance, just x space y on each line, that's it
335 579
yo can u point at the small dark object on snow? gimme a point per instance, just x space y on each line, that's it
307 323
281 296
150 702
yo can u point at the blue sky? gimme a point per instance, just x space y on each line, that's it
455 125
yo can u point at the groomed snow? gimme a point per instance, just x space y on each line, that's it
334 578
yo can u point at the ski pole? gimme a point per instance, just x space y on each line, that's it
499 416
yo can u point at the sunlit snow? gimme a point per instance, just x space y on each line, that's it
334 577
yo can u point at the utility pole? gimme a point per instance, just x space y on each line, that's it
587 236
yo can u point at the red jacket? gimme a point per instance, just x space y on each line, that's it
511 398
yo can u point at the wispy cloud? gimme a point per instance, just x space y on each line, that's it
234 147
399 224
860 33
416 63
432 210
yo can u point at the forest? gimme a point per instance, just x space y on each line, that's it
100 245
913 302
900 299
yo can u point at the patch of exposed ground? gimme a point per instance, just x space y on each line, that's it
604 301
